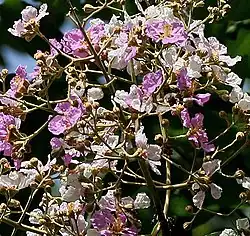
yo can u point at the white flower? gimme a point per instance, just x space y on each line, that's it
194 67
236 94
228 232
142 201
228 60
169 56
151 152
16 180
242 224
35 216
95 94
120 98
244 103
233 79
210 168
245 182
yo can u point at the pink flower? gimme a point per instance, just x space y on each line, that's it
196 134
168 32
28 14
151 82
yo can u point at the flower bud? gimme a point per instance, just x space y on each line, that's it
3 207
88 8
14 203
34 161
240 136
223 114
189 209
243 196
165 123
158 139
239 174
4 72
187 225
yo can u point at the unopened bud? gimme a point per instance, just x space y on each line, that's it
165 123
158 139
239 174
189 209
34 161
240 136
243 196
42 221
88 8
187 225
4 72
223 114
14 203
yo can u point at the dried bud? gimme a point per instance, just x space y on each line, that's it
187 225
189 209
88 106
134 116
3 206
89 207
240 136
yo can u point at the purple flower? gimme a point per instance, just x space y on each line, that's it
73 43
54 44
67 118
97 32
21 71
109 224
151 82
183 80
200 99
196 134
168 32
5 122
69 152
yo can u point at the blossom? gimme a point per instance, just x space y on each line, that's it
151 82
151 152
228 232
69 152
96 30
168 32
16 180
73 43
183 80
6 122
108 224
28 14
142 201
67 117
135 99
196 134
210 168
244 103
95 94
